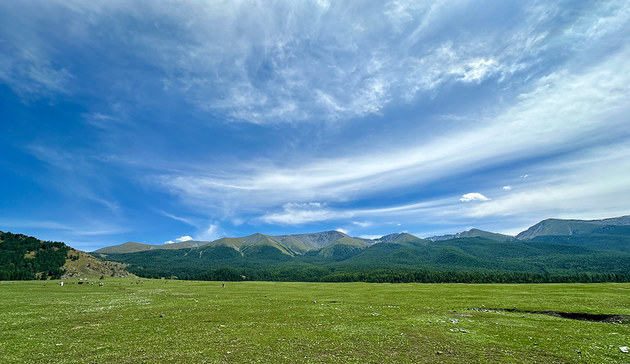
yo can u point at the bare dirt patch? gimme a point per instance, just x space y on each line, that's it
593 317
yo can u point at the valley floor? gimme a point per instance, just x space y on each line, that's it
139 320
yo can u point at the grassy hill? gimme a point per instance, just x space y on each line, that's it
82 264
25 257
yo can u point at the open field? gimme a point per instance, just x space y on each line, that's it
185 321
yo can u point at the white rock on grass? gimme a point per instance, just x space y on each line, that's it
624 349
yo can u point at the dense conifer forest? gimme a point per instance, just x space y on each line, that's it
24 257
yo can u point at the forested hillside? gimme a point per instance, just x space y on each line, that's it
24 257
588 251
463 259
574 251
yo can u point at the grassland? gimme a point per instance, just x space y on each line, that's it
126 321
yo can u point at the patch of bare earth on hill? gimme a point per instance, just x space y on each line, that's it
82 264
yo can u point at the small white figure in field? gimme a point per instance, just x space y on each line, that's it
61 283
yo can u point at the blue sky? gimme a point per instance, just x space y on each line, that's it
163 121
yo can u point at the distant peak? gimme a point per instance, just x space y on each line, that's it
568 227
334 232
474 233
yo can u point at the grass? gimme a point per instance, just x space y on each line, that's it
181 321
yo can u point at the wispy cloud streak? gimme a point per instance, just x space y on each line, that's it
563 111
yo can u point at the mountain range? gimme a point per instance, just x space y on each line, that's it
553 250
552 246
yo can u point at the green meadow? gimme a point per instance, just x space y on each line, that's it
140 320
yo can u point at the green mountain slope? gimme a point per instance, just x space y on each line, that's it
313 241
474 233
595 241
289 244
132 247
587 247
256 243
558 227
400 239
355 255
343 248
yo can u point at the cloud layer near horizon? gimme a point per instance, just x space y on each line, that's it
233 117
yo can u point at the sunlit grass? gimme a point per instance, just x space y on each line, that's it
182 321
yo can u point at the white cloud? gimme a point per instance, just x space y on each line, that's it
475 70
30 74
371 237
178 218
300 213
297 61
591 184
362 224
343 231
473 196
82 227
211 233
285 61
507 188
179 240
265 64
564 110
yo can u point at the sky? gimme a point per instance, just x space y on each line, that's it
165 121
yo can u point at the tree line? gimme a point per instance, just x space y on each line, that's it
321 274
